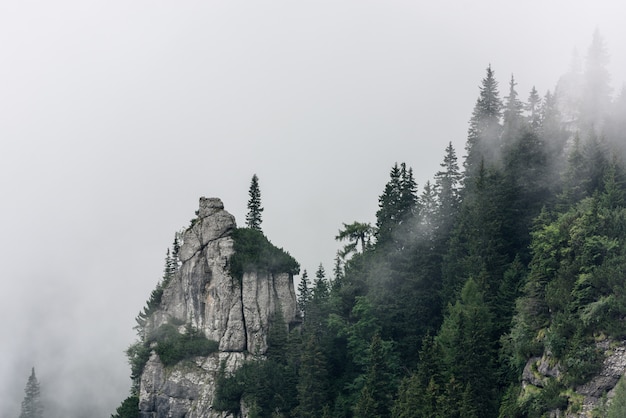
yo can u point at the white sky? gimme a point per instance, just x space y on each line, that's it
116 116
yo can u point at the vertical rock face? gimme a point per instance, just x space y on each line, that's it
236 313
585 400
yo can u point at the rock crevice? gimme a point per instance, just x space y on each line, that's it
235 313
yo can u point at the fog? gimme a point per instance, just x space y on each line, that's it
115 117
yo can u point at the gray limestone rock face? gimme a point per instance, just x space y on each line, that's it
262 295
185 390
613 367
601 386
236 313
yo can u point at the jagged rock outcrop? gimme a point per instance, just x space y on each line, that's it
589 396
603 384
232 311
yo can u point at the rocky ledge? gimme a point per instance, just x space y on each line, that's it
234 312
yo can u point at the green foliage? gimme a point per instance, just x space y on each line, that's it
268 386
581 362
535 403
468 352
254 252
304 293
138 355
128 409
313 384
253 218
397 205
375 399
154 302
617 408
173 346
485 128
354 233
230 389
489 261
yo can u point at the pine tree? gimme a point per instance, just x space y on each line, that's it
31 405
512 114
408 193
253 218
338 272
480 245
613 195
448 184
388 202
428 214
467 346
597 88
313 382
376 395
304 293
552 129
417 395
355 233
128 409
533 109
320 287
397 205
483 138
176 251
277 338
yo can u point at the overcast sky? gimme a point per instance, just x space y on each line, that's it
116 116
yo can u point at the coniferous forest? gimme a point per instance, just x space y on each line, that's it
515 252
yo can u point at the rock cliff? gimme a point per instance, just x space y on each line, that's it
235 312
588 399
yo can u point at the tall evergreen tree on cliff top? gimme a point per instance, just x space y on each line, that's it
31 405
253 218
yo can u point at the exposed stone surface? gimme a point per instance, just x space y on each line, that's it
613 367
185 390
235 313
539 369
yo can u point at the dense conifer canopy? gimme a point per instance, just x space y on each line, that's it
437 309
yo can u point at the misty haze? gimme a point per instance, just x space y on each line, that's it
336 209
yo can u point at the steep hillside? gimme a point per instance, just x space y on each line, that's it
206 320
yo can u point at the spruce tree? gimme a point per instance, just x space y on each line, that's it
428 214
375 400
31 405
313 383
483 137
128 409
388 203
512 114
304 293
320 287
597 89
448 185
253 218
397 205
468 350
533 109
